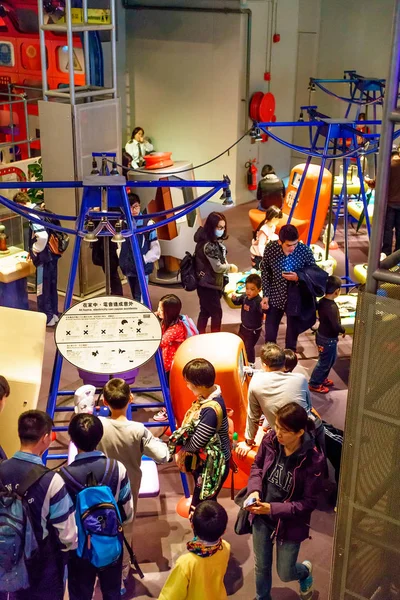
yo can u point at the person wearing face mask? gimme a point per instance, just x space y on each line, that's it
137 147
46 263
211 270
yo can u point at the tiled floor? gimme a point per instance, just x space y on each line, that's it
160 533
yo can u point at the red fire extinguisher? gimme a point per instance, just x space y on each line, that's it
251 174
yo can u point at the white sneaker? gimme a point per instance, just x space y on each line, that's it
55 317
52 322
161 416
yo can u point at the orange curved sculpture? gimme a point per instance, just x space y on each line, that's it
227 353
304 206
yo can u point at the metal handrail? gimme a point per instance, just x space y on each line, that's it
376 274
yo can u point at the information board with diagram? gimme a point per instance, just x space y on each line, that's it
108 334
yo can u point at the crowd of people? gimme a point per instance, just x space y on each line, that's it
283 488
81 517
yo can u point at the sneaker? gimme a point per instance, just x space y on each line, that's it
321 389
328 382
52 322
55 317
161 415
307 585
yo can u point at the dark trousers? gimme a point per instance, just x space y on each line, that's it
46 576
273 320
197 476
250 339
392 222
115 281
133 281
210 307
327 349
82 578
46 279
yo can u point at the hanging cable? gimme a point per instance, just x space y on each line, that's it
146 171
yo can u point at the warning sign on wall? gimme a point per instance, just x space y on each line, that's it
96 16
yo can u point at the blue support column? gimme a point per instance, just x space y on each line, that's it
321 174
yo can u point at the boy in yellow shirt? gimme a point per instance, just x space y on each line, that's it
199 575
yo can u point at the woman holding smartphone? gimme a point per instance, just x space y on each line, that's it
283 487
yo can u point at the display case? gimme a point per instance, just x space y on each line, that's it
14 236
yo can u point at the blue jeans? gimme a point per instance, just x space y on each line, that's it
327 348
286 557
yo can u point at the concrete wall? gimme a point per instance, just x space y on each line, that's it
184 78
354 35
187 74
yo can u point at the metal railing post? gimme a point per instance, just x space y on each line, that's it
382 177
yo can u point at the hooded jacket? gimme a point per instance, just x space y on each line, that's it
302 297
211 265
292 516
270 192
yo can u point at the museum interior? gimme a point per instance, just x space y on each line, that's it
199 299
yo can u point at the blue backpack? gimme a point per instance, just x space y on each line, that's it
100 535
17 539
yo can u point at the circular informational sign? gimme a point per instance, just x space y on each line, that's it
108 334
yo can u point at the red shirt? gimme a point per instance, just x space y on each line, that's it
172 338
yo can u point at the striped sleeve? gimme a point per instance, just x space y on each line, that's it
62 512
124 499
204 431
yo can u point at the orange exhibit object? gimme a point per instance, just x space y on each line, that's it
183 507
302 213
305 201
227 353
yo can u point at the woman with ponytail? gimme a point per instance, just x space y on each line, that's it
283 488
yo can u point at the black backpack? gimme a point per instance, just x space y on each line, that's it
187 272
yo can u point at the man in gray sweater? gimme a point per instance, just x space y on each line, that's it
269 390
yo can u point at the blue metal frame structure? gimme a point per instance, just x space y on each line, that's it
108 192
334 133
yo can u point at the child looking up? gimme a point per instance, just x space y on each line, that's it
264 233
251 315
327 336
199 575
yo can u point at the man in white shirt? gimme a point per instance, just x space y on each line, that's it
137 148
269 390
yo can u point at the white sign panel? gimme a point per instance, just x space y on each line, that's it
108 334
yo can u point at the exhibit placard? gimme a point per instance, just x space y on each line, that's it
108 334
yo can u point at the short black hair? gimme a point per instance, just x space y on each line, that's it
199 372
209 521
272 356
133 199
117 393
290 359
288 233
85 431
34 424
254 279
4 388
333 283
